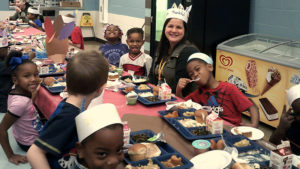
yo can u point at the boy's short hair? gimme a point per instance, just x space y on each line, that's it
135 30
86 72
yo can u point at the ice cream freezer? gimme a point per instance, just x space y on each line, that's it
262 67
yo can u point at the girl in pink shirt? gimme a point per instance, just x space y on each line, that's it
21 114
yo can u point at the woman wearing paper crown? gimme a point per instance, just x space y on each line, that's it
170 61
289 125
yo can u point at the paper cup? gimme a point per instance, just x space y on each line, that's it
131 100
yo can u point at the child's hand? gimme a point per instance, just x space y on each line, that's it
182 83
16 159
17 9
35 92
286 119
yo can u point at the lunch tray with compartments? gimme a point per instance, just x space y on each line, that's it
56 89
53 71
166 152
251 156
184 131
144 100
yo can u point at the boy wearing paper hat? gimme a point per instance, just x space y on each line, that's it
100 135
289 125
76 35
225 98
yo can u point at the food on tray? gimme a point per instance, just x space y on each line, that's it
273 77
188 113
139 138
220 145
137 152
242 143
171 115
128 89
213 144
240 166
152 150
146 94
200 131
200 116
128 80
150 165
247 134
152 99
49 81
59 84
143 87
190 123
113 76
112 67
59 70
140 80
172 162
251 73
269 110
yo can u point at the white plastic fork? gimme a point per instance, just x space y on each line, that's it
195 79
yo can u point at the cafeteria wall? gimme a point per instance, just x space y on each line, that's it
276 17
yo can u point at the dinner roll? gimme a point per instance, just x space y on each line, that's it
137 152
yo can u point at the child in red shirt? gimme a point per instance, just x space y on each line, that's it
76 35
223 97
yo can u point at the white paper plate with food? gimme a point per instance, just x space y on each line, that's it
214 159
249 132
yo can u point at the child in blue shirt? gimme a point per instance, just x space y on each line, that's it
33 15
113 49
86 77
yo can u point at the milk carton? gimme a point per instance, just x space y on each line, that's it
282 157
165 92
214 124
126 131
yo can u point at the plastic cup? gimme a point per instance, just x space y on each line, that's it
201 146
131 100
119 70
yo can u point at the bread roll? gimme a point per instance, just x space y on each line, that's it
200 116
152 150
137 152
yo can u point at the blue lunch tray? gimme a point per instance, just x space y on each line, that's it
56 89
166 152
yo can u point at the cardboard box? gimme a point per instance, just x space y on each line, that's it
70 4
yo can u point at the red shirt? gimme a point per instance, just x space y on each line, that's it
76 37
227 96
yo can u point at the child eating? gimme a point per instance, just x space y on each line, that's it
100 135
113 49
222 96
33 15
136 60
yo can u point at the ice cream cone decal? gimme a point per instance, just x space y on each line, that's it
272 78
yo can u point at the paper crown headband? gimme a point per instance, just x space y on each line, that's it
179 12
68 19
3 38
96 118
201 56
293 94
33 11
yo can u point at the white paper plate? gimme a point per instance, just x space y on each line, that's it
215 159
256 133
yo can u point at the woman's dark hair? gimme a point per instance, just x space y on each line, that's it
164 44
14 53
135 30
